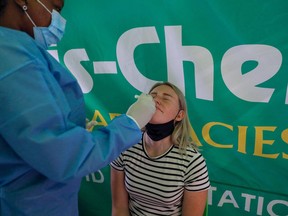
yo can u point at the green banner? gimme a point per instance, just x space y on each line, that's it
230 60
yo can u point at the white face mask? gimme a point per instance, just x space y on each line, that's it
52 34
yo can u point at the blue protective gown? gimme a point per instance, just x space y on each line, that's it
44 147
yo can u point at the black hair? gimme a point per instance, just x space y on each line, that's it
3 4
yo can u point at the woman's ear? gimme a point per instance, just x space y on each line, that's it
180 115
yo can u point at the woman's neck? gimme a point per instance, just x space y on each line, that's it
156 148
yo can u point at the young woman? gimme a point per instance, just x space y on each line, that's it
164 174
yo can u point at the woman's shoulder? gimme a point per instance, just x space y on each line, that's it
20 50
189 153
14 38
190 149
19 44
134 149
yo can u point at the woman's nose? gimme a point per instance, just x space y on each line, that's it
156 99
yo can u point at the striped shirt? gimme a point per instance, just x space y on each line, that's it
156 185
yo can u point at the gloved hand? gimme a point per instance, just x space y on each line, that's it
90 124
142 110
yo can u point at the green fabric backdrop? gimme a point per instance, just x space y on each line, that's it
230 59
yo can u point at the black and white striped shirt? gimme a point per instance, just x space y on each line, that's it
156 185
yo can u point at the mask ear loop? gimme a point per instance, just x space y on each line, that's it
44 6
24 7
176 122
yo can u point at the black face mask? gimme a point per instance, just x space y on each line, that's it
159 131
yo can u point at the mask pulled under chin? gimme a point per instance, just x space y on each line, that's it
159 131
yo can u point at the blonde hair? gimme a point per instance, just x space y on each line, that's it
181 135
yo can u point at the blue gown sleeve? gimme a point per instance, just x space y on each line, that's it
36 123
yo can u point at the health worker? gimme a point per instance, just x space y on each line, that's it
45 149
